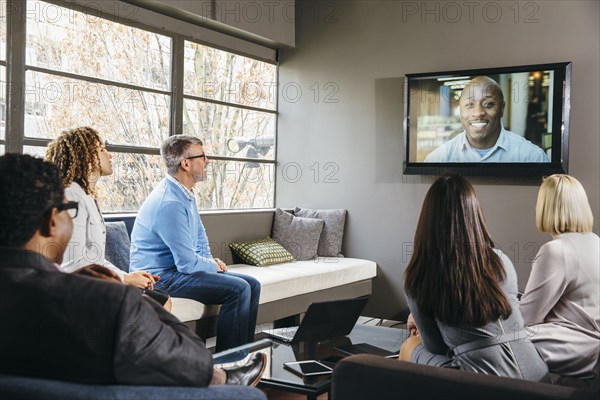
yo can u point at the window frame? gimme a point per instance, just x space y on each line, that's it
16 68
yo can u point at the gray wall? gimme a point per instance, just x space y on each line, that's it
341 115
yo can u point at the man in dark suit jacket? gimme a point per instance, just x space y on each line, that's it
76 327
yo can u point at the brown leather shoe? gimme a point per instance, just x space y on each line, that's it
248 374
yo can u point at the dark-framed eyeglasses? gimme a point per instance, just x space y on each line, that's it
199 156
71 207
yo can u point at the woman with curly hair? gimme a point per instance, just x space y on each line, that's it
462 292
82 159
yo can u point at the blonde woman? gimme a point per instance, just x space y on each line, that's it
561 303
82 159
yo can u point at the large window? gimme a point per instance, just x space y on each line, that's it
121 79
229 101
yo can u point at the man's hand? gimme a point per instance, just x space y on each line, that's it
140 279
221 266
98 272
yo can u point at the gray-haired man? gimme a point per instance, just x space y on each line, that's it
169 240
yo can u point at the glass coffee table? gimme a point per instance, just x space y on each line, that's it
277 377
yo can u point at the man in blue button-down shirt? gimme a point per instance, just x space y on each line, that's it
169 240
484 139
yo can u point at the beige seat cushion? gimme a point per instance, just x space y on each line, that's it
287 280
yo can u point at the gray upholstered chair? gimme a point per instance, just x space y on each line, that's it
25 388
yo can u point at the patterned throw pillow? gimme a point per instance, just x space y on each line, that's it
261 252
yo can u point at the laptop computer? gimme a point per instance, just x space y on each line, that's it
322 321
366 348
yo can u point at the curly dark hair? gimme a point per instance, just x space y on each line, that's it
75 153
29 188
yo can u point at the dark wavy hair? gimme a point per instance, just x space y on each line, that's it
454 275
29 188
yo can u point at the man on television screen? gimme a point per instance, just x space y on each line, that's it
484 139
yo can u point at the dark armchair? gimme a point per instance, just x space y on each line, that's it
370 377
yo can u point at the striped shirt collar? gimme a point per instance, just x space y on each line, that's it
188 193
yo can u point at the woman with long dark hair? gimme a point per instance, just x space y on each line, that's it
462 292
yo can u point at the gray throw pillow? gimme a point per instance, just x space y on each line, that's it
117 245
299 236
330 243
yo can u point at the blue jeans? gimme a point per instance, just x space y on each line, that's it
237 294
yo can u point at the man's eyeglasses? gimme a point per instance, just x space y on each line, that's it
72 207
200 156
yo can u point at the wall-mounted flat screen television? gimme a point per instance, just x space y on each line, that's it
506 121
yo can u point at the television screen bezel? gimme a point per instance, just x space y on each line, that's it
560 127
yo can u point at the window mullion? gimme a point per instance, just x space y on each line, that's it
177 61
15 75
91 79
229 104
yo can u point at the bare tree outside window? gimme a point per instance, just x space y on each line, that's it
244 128
85 70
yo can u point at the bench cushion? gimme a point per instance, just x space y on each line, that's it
286 280
191 310
291 279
